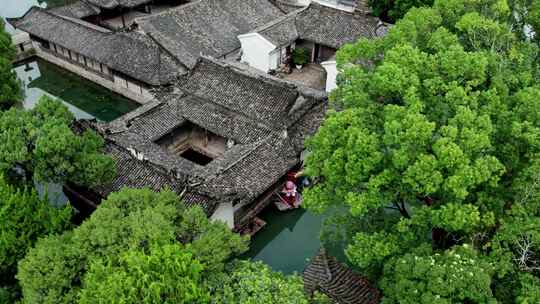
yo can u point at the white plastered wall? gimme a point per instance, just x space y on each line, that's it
331 74
258 52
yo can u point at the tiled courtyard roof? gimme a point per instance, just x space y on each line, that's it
263 151
320 24
79 9
208 27
110 4
332 27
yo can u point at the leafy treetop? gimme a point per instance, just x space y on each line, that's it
10 89
145 247
41 143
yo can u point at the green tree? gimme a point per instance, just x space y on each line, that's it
24 217
393 10
10 88
167 274
256 283
41 144
438 123
128 228
456 275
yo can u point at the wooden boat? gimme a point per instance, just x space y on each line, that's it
282 205
253 227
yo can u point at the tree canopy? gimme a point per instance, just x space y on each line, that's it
165 274
10 89
431 148
24 217
145 247
255 283
41 143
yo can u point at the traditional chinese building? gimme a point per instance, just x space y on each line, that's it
134 46
160 41
319 27
128 63
224 137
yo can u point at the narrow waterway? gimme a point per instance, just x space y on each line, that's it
289 240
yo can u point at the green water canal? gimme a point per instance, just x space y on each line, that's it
84 98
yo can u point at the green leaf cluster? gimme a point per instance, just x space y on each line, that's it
167 274
10 86
24 217
41 143
255 283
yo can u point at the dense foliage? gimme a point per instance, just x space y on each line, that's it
10 89
145 247
24 217
434 151
256 283
40 143
393 10
164 274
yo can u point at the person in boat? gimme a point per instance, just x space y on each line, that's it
289 194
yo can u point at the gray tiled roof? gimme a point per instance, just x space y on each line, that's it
282 31
258 98
79 9
320 24
208 27
110 4
333 28
325 274
136 174
263 151
133 173
133 54
287 6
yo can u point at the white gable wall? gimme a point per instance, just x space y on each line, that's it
331 74
258 52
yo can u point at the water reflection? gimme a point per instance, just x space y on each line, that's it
288 240
83 98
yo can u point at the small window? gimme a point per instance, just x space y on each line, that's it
101 67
